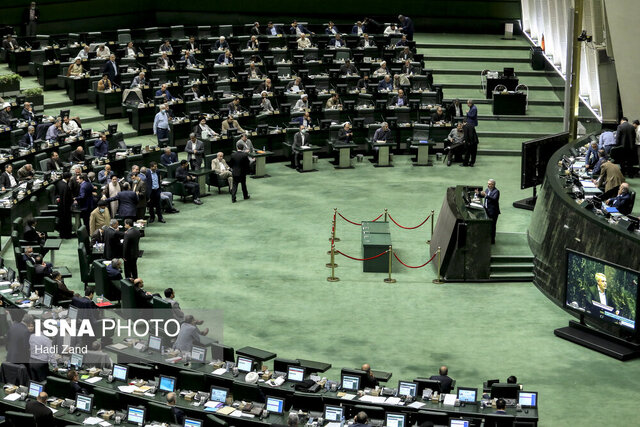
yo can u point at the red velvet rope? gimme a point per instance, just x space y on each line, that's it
362 259
420 266
349 221
380 216
410 228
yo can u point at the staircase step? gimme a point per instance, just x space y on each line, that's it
521 267
477 86
498 152
480 59
511 258
511 277
484 46
474 72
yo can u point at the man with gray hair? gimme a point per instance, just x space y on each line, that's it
491 205
195 151
382 134
112 240
292 421
28 138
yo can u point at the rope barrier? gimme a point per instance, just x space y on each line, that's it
349 221
361 259
410 228
380 216
410 266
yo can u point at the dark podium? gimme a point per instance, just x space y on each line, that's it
463 233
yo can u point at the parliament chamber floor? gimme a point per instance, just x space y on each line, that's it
262 261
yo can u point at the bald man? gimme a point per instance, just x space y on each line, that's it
443 377
370 380
177 412
41 412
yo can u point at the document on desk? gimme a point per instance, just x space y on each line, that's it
12 397
127 388
226 410
219 371
393 401
450 399
236 414
92 421
333 425
373 399
118 346
6 291
106 424
587 184
93 380
416 405
348 397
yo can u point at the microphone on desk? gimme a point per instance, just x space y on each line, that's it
27 43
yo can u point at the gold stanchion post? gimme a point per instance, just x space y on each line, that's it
389 279
335 220
431 236
333 277
385 215
439 279
332 264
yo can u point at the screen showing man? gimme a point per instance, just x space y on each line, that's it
601 290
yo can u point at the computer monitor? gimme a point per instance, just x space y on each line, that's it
120 372
406 388
394 419
47 299
198 354
424 383
458 422
508 72
135 415
155 343
245 364
84 403
528 399
192 422
167 384
350 382
219 394
76 360
73 312
275 405
467 395
295 373
35 389
333 413
505 391
26 288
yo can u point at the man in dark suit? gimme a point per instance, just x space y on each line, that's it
240 167
30 18
400 100
65 201
114 269
85 199
348 69
153 182
443 377
622 201
626 138
472 114
54 164
143 298
131 249
30 234
41 412
470 139
18 339
27 112
168 157
112 238
128 201
189 181
177 412
491 205
73 378
28 138
598 293
301 138
406 25
454 110
273 30
361 420
110 68
7 180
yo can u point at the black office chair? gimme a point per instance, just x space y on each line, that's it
189 380
20 419
59 387
373 412
160 412
213 421
142 372
497 420
105 398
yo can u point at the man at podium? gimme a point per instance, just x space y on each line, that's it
491 205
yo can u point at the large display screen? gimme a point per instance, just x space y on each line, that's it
601 290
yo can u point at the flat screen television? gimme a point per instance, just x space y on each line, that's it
604 292
535 156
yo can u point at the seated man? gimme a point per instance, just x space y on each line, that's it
32 235
445 380
360 420
456 142
363 83
5 114
295 85
382 134
177 413
265 86
385 84
163 62
265 102
400 100
253 43
138 80
38 408
382 70
331 29
73 377
405 54
333 102
168 157
130 51
104 84
54 164
403 41
221 168
438 116
591 157
225 58
234 106
105 174
27 112
302 104
622 201
231 123
304 120
143 299
303 42
345 135
253 71
28 138
203 131
103 52
366 41
7 180
25 172
101 146
189 60
43 269
114 269
407 68
221 44
75 69
77 155
71 127
602 158
273 30
53 131
370 380
190 182
348 69
164 92
337 41
358 29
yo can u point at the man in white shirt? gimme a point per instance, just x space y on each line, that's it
220 166
303 42
103 52
130 52
84 53
391 29
71 126
6 179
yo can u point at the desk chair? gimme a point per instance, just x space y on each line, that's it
20 419
373 412
143 372
189 380
51 287
437 418
105 398
12 373
160 412
86 269
498 420
127 294
214 421
59 387
214 178
308 401
37 280
106 287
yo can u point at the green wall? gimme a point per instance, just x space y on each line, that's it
57 16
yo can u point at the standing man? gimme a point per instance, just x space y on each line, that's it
85 199
491 205
153 187
130 249
110 68
470 144
472 114
240 167
626 138
65 201
161 123
140 188
300 139
406 25
112 238
31 17
195 152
